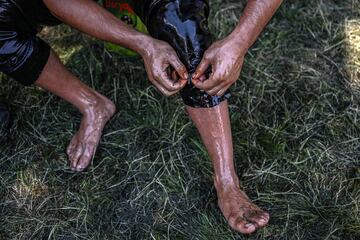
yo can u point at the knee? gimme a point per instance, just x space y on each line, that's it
183 24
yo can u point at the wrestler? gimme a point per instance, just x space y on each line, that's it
213 68
29 60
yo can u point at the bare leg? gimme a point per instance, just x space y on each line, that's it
215 131
96 110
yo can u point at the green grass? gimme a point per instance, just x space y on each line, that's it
296 126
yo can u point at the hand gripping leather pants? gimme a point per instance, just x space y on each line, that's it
184 25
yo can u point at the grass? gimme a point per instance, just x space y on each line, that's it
296 126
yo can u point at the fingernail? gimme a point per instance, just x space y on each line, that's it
186 75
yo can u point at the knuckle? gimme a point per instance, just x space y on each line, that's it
155 71
172 88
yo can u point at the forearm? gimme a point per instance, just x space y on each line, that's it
92 19
256 15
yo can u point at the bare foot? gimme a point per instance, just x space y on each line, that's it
241 214
83 145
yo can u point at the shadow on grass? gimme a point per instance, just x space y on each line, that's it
295 114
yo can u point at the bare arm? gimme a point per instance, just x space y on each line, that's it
226 56
88 17
254 19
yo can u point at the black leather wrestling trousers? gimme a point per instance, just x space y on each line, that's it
184 25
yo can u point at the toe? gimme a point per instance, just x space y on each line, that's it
74 155
261 218
85 159
73 143
241 225
244 226
264 219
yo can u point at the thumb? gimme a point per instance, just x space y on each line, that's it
179 67
201 68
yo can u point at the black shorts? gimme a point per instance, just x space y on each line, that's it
22 54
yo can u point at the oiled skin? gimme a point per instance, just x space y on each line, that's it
225 57
89 17
96 110
214 127
183 24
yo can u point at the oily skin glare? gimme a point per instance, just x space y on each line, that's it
90 18
96 110
226 56
87 16
214 127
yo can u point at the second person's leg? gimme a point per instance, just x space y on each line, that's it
96 110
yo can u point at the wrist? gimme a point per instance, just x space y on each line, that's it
145 45
238 43
140 43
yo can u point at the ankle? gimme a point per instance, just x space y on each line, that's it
99 104
225 184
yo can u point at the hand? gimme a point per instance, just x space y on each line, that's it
226 59
160 59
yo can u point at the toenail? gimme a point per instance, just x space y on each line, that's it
248 225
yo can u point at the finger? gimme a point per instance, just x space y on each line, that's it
168 83
215 90
202 67
222 91
157 83
197 80
209 84
202 78
179 67
174 76
163 90
182 82
160 88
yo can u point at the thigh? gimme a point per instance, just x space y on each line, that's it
12 18
22 56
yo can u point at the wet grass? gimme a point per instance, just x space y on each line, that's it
296 126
